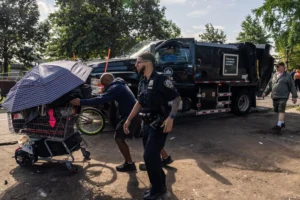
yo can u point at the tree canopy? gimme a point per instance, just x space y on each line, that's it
22 37
89 27
252 31
282 19
212 34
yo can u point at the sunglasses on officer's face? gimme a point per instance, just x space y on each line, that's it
143 61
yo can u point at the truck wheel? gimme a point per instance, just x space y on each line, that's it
241 103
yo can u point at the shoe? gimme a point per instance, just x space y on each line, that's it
153 196
167 161
142 167
276 130
146 193
126 167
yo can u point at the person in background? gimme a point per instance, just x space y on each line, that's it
292 73
297 79
169 55
281 85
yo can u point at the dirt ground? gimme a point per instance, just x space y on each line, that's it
216 157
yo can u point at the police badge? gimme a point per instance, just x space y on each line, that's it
168 84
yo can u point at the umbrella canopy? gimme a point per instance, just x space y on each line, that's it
46 83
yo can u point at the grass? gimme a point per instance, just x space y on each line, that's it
2 110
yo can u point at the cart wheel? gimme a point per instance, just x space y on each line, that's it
22 158
71 168
90 121
86 154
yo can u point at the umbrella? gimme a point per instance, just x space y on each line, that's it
46 83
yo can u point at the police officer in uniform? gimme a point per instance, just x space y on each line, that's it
154 93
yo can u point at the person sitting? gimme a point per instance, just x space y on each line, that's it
168 55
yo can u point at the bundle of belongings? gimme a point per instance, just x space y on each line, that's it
54 118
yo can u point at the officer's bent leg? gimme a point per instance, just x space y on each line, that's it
153 146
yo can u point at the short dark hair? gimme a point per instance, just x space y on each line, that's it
148 56
280 64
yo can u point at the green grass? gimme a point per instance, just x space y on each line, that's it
2 110
2 100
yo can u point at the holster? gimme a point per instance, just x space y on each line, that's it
155 121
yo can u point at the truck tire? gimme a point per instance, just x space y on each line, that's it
241 103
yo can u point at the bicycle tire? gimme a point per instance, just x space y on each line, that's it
95 111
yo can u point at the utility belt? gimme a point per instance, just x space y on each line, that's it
155 120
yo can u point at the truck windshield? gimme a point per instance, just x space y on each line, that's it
138 49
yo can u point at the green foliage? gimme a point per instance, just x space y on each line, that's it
89 27
253 32
212 34
282 19
22 37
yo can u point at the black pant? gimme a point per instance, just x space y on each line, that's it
297 84
154 141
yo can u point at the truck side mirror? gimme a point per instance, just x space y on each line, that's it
152 49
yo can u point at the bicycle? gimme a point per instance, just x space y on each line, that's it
90 121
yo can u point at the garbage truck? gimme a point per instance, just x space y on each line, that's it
210 77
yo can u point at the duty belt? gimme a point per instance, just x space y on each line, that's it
154 120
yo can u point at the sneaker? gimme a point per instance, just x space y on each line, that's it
126 167
167 161
276 129
142 167
150 195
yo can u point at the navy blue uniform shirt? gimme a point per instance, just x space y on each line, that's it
117 91
156 92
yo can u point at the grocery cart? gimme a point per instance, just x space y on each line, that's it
46 133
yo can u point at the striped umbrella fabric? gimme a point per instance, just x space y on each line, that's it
46 83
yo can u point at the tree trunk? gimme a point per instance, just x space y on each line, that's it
5 64
5 57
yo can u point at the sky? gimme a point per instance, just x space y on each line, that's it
192 15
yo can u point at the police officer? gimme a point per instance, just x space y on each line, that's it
154 93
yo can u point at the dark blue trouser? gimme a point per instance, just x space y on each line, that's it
154 141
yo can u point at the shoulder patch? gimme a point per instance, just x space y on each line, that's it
168 83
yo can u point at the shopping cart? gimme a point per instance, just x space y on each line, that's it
46 133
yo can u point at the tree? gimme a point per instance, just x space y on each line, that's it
212 34
282 19
253 32
21 36
89 27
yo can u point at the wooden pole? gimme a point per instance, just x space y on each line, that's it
107 60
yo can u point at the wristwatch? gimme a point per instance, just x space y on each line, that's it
172 116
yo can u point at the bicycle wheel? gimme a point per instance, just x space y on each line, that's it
90 121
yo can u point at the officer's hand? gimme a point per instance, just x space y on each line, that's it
126 127
263 95
294 100
75 102
168 125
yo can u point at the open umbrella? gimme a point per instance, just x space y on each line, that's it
46 83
